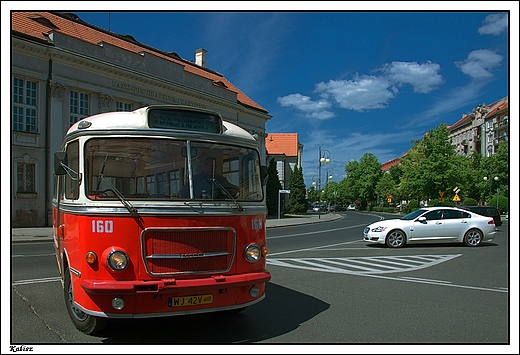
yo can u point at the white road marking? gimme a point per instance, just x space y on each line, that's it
377 266
364 265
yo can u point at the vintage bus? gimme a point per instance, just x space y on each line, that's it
134 234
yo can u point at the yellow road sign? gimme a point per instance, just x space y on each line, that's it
456 198
441 193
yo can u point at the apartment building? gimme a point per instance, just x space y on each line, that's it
483 129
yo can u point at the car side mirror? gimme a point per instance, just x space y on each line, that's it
421 219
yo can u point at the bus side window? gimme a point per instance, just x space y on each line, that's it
72 176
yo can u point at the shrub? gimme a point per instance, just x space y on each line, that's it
470 202
433 202
503 203
412 206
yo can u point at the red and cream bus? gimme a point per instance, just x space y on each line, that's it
158 212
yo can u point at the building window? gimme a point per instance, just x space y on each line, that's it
26 178
123 106
174 183
78 106
24 106
150 184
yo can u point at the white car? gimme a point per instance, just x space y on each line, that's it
432 225
351 208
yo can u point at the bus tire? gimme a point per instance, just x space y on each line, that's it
84 322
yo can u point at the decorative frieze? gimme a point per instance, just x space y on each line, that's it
57 89
105 101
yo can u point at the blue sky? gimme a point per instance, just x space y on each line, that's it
350 82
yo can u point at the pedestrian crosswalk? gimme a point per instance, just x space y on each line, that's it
363 265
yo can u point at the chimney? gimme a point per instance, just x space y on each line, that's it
200 57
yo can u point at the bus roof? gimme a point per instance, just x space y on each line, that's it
138 120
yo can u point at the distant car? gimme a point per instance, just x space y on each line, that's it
318 209
351 208
432 225
339 209
488 211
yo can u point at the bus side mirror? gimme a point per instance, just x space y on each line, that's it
264 174
184 152
60 160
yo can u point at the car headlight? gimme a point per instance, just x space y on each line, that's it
253 253
378 229
117 260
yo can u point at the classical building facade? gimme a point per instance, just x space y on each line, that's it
64 69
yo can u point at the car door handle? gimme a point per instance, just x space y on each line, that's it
438 222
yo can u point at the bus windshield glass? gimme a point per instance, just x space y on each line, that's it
168 169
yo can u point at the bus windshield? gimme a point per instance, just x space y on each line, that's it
168 169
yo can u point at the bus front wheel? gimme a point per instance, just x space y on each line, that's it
84 322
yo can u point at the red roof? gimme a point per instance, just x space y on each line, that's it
462 121
500 107
389 164
41 24
282 143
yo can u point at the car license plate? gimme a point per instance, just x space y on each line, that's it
190 300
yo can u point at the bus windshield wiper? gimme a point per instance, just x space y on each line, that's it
114 189
123 200
238 206
101 175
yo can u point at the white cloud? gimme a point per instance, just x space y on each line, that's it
311 109
367 92
494 24
423 77
479 63
360 94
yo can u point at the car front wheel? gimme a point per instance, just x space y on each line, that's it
473 238
395 239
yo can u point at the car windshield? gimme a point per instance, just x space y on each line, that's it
413 215
157 168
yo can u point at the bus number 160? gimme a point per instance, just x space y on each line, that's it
100 226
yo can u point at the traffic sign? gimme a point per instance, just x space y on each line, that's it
456 198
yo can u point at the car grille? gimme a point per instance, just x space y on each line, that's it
173 251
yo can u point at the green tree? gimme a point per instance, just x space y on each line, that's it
272 188
387 186
361 180
433 165
370 173
297 200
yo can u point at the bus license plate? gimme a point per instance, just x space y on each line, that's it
189 300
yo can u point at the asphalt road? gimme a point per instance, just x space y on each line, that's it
327 288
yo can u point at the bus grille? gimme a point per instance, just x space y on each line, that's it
170 251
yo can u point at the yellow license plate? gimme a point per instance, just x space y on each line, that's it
189 300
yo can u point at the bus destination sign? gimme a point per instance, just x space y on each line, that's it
184 120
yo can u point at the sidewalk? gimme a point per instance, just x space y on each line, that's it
44 234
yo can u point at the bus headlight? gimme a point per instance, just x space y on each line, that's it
117 260
253 253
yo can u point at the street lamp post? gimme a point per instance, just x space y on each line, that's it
490 183
314 184
323 158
